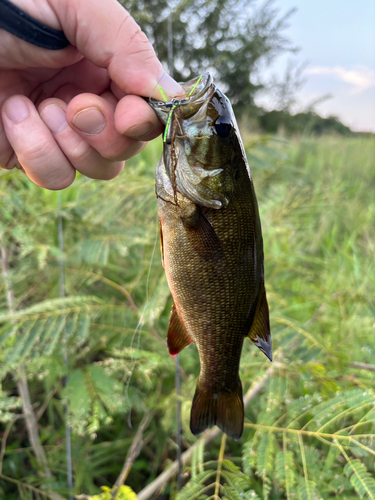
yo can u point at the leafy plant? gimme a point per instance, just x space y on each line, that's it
97 358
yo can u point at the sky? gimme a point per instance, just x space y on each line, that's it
336 39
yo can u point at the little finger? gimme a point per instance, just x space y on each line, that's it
37 152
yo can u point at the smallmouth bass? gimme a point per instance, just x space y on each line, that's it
212 248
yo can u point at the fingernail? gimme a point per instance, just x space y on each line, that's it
20 168
139 130
54 117
16 110
12 163
90 121
170 87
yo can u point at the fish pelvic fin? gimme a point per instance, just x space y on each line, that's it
260 332
224 409
178 337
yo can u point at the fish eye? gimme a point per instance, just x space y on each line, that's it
223 126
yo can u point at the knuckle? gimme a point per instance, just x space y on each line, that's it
35 151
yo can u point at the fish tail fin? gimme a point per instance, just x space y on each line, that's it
225 409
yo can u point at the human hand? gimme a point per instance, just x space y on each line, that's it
78 108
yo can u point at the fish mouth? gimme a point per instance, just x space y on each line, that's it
196 93
190 177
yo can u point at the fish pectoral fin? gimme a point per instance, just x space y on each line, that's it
178 337
161 243
224 409
205 241
260 332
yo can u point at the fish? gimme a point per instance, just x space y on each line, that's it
212 248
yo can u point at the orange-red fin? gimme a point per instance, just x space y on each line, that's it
161 243
178 337
260 332
224 409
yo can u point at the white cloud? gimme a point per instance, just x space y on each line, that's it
361 78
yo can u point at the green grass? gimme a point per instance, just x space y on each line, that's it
310 434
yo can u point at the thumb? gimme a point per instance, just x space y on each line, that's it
106 34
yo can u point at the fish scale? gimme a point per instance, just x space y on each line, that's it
212 249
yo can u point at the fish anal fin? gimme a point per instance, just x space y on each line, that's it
205 241
178 337
260 332
225 409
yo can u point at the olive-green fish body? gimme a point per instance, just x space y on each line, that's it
212 251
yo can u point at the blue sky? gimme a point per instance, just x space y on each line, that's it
337 41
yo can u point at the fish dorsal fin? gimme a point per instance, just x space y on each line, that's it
178 337
260 332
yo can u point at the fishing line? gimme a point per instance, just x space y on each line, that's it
195 86
140 323
162 93
159 87
168 123
177 103
68 429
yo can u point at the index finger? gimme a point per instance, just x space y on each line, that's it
105 33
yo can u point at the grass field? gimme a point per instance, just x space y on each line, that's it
308 435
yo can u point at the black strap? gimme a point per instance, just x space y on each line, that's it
20 24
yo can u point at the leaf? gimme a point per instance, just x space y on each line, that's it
231 493
285 468
360 478
93 396
266 454
54 339
236 480
83 328
230 465
250 495
307 490
248 457
196 486
33 337
332 455
191 491
6 333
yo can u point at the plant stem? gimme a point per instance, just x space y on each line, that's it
303 456
178 419
23 387
60 232
207 437
362 366
132 454
31 423
219 466
306 433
